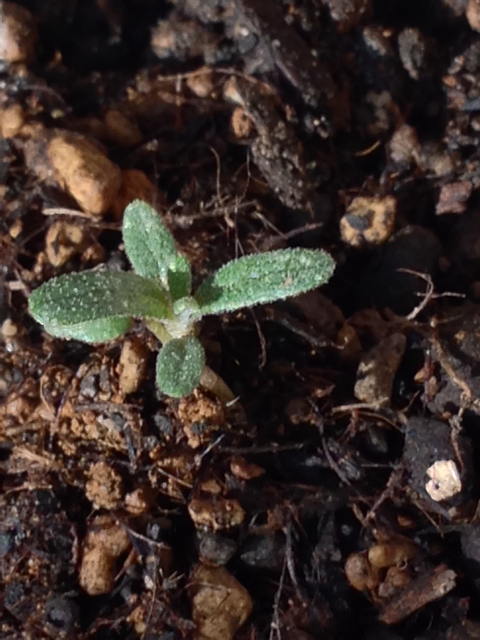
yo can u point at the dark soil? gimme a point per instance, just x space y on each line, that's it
337 497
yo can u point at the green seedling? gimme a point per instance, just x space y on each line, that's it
96 306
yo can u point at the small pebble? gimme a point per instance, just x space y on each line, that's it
18 33
11 120
132 365
473 14
220 604
104 486
369 221
84 171
453 197
377 370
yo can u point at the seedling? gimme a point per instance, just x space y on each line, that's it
96 306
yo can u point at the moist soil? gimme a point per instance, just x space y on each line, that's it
337 495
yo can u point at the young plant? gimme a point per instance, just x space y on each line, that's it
96 306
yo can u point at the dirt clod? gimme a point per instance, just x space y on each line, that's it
368 221
220 604
104 486
104 543
83 171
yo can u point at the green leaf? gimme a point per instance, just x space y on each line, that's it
179 366
95 306
92 331
264 277
151 249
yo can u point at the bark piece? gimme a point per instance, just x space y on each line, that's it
431 586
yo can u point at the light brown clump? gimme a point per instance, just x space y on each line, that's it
84 171
11 121
369 221
105 542
104 486
220 604
18 33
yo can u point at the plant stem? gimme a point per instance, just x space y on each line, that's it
158 329
213 382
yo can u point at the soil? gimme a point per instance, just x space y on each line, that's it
337 496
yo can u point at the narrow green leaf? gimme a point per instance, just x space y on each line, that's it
84 304
92 331
264 277
179 366
151 249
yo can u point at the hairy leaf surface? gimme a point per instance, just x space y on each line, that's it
151 249
264 277
179 366
92 331
91 304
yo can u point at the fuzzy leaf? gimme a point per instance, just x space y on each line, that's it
95 306
151 249
179 366
92 331
264 277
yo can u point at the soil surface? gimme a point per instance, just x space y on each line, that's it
337 496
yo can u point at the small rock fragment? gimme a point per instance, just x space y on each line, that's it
473 14
63 240
201 82
360 573
104 486
137 502
105 542
201 416
412 47
220 604
428 587
18 33
454 197
435 159
444 480
245 470
404 146
84 171
216 513
132 365
11 120
377 370
369 221
392 553
241 125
